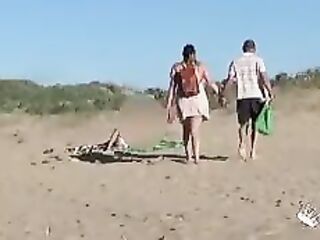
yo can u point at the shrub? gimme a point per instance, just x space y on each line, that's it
35 99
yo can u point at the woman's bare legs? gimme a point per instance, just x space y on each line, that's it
186 138
195 136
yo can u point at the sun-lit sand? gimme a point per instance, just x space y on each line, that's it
54 198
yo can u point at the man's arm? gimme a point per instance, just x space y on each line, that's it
267 83
230 79
265 78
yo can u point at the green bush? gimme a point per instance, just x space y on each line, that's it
35 99
309 79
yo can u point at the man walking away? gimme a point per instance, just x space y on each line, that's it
249 73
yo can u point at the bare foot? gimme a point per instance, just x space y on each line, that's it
242 153
187 160
253 155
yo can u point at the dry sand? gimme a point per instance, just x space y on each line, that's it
215 200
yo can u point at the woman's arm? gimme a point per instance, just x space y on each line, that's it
209 81
171 92
172 87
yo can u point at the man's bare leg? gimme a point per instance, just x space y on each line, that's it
243 131
254 137
186 139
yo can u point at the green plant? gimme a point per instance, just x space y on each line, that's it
36 99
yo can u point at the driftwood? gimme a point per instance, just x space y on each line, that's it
116 150
113 138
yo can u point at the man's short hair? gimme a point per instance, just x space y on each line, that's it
249 45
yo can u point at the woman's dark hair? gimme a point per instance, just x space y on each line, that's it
187 51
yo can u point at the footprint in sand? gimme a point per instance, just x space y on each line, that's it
48 151
123 237
113 214
17 135
180 217
27 231
45 162
278 203
247 199
48 231
57 158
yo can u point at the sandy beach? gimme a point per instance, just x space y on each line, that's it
46 196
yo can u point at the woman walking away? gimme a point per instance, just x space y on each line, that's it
187 95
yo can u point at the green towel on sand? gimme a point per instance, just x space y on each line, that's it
165 144
162 145
264 123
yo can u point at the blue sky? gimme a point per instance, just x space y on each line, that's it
135 42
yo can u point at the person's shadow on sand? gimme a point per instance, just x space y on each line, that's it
148 158
217 158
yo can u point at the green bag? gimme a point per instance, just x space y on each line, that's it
264 123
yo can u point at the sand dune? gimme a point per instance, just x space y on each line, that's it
168 200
